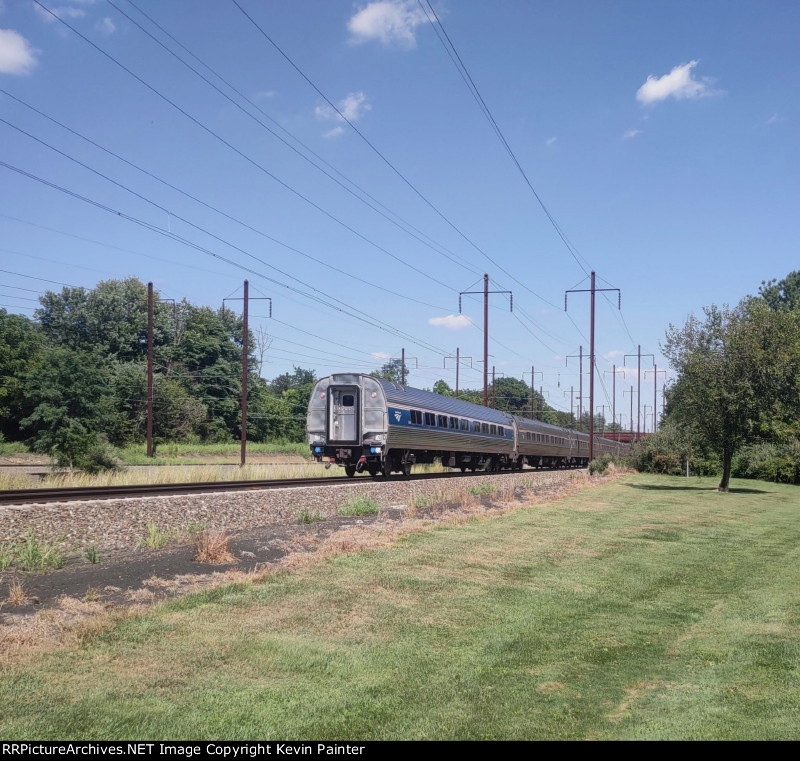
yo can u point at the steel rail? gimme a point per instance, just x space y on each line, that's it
71 494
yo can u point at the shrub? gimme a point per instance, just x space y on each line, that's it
779 463
599 465
360 506
92 555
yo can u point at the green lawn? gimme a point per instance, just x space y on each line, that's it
652 607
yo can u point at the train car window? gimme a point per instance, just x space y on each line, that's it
430 418
500 431
348 400
416 417
465 425
476 427
493 429
454 422
484 428
442 421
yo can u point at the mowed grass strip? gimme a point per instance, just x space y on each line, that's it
651 607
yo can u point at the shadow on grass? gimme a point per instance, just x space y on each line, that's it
660 487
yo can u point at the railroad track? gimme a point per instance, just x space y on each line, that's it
27 496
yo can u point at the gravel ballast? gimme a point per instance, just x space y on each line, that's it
121 524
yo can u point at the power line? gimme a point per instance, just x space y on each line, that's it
443 252
465 75
383 157
243 155
173 236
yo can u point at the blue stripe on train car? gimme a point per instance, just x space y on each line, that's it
399 417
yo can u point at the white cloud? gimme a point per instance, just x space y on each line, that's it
613 354
774 119
381 355
451 322
333 132
678 84
62 12
16 54
550 141
631 133
352 107
265 94
391 22
106 26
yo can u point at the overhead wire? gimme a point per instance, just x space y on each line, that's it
243 155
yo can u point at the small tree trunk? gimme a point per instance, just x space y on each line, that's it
727 457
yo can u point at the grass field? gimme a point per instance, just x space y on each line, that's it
181 454
650 607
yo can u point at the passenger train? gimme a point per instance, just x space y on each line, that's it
363 423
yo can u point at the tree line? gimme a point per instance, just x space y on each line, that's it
73 376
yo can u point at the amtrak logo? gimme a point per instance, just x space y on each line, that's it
398 415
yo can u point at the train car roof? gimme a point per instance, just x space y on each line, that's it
427 400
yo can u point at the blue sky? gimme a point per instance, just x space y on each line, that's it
662 137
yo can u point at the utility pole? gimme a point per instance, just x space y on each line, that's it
533 389
646 413
655 372
593 290
149 369
639 355
245 352
403 359
494 393
613 392
458 359
486 293
571 396
579 355
603 415
631 416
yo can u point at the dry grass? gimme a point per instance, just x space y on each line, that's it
170 474
213 547
16 592
76 621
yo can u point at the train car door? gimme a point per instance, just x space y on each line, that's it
344 415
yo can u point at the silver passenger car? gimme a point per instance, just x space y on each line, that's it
366 423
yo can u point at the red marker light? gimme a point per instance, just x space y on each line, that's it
321 394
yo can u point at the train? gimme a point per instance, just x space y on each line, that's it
363 423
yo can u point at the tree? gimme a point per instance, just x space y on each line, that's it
782 295
391 371
66 395
738 377
442 388
21 345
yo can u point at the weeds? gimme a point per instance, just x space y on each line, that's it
360 506
16 592
92 554
193 529
480 489
213 547
34 555
424 500
92 595
6 556
310 516
155 539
